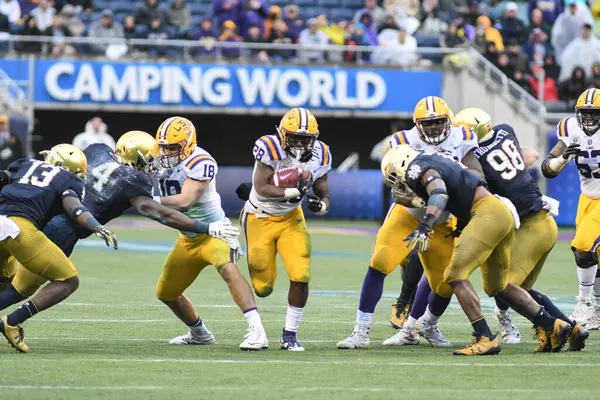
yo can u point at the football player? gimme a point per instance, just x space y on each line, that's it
116 181
433 132
446 185
272 219
187 183
38 191
578 140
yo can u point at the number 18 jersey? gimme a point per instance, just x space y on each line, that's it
588 158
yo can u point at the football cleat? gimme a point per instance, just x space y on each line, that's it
289 341
577 338
482 346
432 334
593 323
358 340
400 313
559 336
583 310
14 335
510 333
198 336
544 345
255 339
406 337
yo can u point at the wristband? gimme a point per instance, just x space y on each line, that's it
428 221
557 164
77 211
201 226
156 199
291 193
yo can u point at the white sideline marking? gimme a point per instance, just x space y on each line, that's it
166 340
61 387
200 306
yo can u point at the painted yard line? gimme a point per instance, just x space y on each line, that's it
199 306
166 340
62 387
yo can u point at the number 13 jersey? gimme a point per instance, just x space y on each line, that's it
588 158
505 172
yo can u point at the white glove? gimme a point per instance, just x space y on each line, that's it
224 231
551 205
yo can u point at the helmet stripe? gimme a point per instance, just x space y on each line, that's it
430 104
166 124
303 118
591 95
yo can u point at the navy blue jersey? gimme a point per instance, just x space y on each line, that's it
36 190
505 170
460 183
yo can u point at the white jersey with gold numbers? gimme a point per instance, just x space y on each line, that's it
268 151
588 158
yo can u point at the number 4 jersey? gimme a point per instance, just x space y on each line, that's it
505 172
588 158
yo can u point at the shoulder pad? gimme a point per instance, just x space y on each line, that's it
268 148
196 160
467 134
399 138
562 129
325 154
201 167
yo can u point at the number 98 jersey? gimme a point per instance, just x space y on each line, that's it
505 171
588 158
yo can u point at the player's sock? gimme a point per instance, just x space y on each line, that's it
430 318
544 319
550 307
586 278
421 299
501 306
22 314
410 323
293 318
412 275
364 318
253 317
480 327
9 296
595 291
196 325
372 290
437 304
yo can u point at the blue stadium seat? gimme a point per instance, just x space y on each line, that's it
195 20
337 14
281 3
428 41
103 4
329 3
124 7
305 3
311 12
353 3
199 9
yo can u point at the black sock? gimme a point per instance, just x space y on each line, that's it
412 276
544 319
481 328
550 307
9 296
500 303
22 314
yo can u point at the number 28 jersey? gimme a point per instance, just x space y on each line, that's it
505 172
588 158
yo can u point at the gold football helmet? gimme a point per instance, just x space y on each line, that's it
138 149
67 157
394 166
433 119
587 111
176 138
477 120
298 131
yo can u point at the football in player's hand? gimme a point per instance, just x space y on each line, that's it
289 177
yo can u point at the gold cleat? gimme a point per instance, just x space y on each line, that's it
400 313
14 335
482 346
559 336
544 345
577 338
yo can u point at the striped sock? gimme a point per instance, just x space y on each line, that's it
22 314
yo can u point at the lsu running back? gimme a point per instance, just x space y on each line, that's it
579 140
273 221
187 183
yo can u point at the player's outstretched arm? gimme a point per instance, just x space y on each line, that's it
191 191
261 181
472 163
80 214
319 201
558 158
149 208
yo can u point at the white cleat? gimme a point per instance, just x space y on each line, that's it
404 337
199 336
255 339
593 324
510 333
358 340
583 310
432 334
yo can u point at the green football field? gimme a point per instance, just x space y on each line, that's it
109 340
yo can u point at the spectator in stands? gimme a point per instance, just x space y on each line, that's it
10 145
551 9
568 26
229 35
581 52
537 22
376 12
292 19
389 22
179 15
11 9
254 36
71 21
95 132
537 47
595 78
106 28
43 15
146 12
227 10
206 38
520 79
551 68
59 34
450 8
518 59
511 27
312 36
30 29
451 39
274 15
431 23
550 89
4 26
336 32
491 53
486 33
366 29
352 39
157 31
504 64
81 5
465 29
402 51
408 8
129 27
572 88
280 34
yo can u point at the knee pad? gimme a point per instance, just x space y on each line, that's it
585 260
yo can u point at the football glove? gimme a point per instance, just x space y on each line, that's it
571 151
109 237
224 231
316 205
243 191
304 184
419 239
